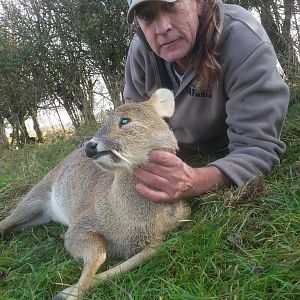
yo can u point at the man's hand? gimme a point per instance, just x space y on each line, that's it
169 179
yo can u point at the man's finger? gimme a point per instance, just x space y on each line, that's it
153 180
155 168
162 157
155 196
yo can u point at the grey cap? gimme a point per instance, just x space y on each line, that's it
133 3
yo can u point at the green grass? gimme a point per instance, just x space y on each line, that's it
241 244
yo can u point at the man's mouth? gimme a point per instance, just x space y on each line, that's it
167 43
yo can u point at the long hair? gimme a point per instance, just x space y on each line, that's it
205 53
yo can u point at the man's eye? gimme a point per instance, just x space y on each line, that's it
146 16
124 121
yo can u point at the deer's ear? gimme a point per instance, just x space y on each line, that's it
163 103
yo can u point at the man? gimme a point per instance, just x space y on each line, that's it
221 66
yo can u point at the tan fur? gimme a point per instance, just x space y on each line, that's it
105 214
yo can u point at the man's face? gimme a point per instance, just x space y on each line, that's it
170 28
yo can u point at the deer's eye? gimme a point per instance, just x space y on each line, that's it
124 121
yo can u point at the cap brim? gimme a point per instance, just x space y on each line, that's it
130 14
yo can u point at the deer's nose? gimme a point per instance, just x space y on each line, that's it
90 149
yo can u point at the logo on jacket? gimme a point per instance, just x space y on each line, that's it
194 93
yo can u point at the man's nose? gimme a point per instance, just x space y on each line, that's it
162 23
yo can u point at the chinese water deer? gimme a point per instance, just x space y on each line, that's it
92 191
